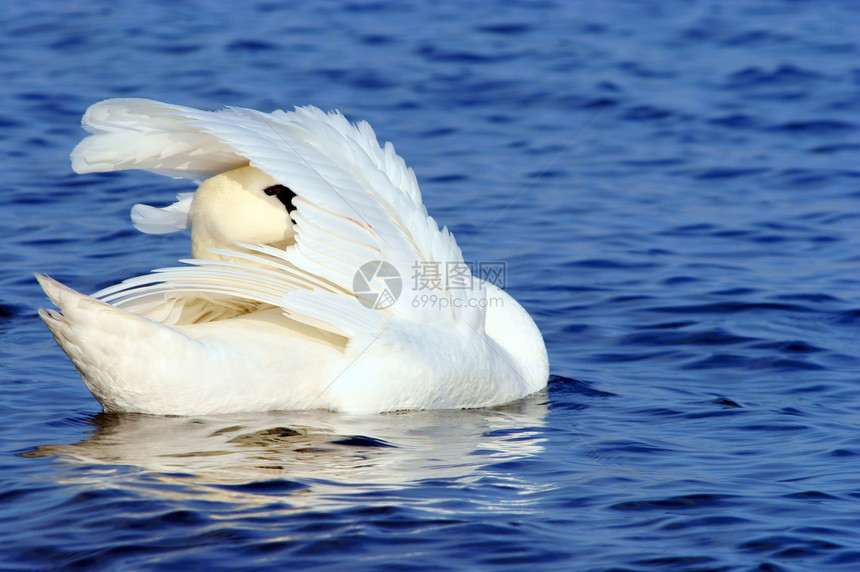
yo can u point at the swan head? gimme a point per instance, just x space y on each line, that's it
244 205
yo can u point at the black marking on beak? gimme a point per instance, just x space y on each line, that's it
284 194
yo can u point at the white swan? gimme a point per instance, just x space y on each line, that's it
274 313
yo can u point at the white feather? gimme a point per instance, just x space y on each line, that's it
154 220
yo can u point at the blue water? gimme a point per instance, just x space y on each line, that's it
675 189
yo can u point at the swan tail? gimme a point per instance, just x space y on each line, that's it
90 331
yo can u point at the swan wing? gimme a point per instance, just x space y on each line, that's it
356 203
152 136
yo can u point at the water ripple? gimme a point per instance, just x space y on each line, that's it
674 191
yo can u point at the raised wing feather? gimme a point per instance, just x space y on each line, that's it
356 202
151 136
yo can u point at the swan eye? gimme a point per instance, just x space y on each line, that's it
284 194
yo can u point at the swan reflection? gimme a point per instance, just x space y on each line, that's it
251 457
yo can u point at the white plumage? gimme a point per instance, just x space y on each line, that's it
265 316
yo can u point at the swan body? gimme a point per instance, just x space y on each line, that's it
306 234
